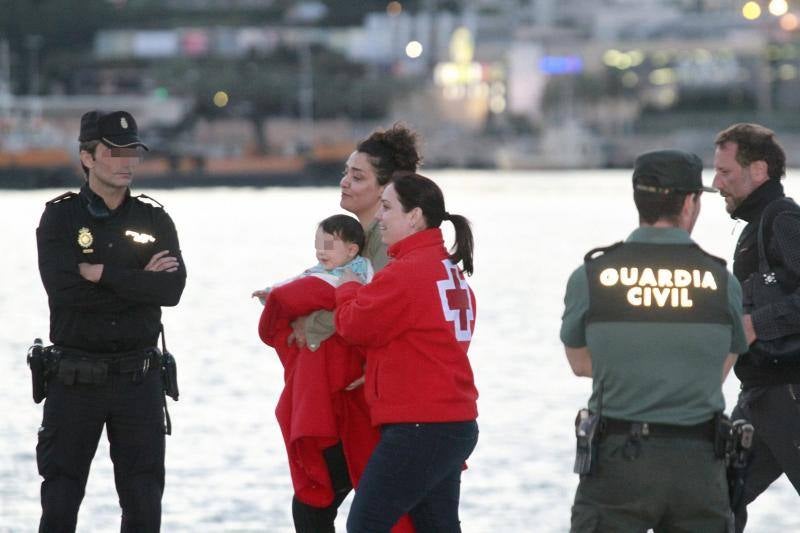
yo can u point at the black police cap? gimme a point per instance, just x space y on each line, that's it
116 129
670 171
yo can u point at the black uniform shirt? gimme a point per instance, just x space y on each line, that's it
782 241
122 311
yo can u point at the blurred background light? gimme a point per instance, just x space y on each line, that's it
789 22
778 7
630 79
610 57
556 65
220 98
414 49
666 97
662 76
787 72
701 55
751 10
161 93
462 46
624 62
394 8
497 104
637 57
660 58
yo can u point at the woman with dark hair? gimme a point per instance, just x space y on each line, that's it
367 171
415 321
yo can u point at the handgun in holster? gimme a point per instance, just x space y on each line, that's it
586 432
587 435
742 433
169 369
723 435
42 362
169 373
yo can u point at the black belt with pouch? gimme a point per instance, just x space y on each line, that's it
86 368
72 366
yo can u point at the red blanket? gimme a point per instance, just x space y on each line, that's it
314 411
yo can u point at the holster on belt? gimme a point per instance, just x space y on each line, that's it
586 433
169 373
43 362
722 435
169 379
738 457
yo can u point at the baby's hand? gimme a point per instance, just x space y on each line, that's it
261 295
348 276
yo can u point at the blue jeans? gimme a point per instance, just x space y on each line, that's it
414 469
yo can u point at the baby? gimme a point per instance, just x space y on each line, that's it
339 240
318 406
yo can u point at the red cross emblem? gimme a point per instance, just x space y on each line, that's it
456 302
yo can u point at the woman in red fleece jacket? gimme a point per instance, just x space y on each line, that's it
415 321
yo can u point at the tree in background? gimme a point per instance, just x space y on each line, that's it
263 86
44 35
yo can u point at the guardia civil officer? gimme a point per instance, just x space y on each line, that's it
108 261
749 164
656 323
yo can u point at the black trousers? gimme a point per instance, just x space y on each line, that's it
308 519
74 416
776 417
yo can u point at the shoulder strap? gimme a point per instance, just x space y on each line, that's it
65 196
775 208
594 253
148 200
719 260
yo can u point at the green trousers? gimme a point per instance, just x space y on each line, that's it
667 485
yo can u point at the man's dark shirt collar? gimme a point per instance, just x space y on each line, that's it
752 206
97 206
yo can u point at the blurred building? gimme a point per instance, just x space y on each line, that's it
522 82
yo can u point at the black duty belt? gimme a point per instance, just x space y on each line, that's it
117 363
704 431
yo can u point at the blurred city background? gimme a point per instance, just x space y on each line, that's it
276 91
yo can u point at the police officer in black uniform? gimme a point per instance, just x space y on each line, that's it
108 261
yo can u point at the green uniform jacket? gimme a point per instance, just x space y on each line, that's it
657 372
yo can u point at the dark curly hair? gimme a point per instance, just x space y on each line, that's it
755 143
391 151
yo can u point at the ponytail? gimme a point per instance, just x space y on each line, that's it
462 249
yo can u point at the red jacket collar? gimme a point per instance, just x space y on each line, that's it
420 239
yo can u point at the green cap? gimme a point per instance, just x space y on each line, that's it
670 171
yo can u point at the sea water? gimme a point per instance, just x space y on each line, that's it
226 462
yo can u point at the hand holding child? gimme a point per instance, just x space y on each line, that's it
347 276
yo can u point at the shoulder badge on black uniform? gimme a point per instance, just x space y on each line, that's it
148 200
67 195
594 253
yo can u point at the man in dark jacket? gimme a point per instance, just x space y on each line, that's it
108 262
749 164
